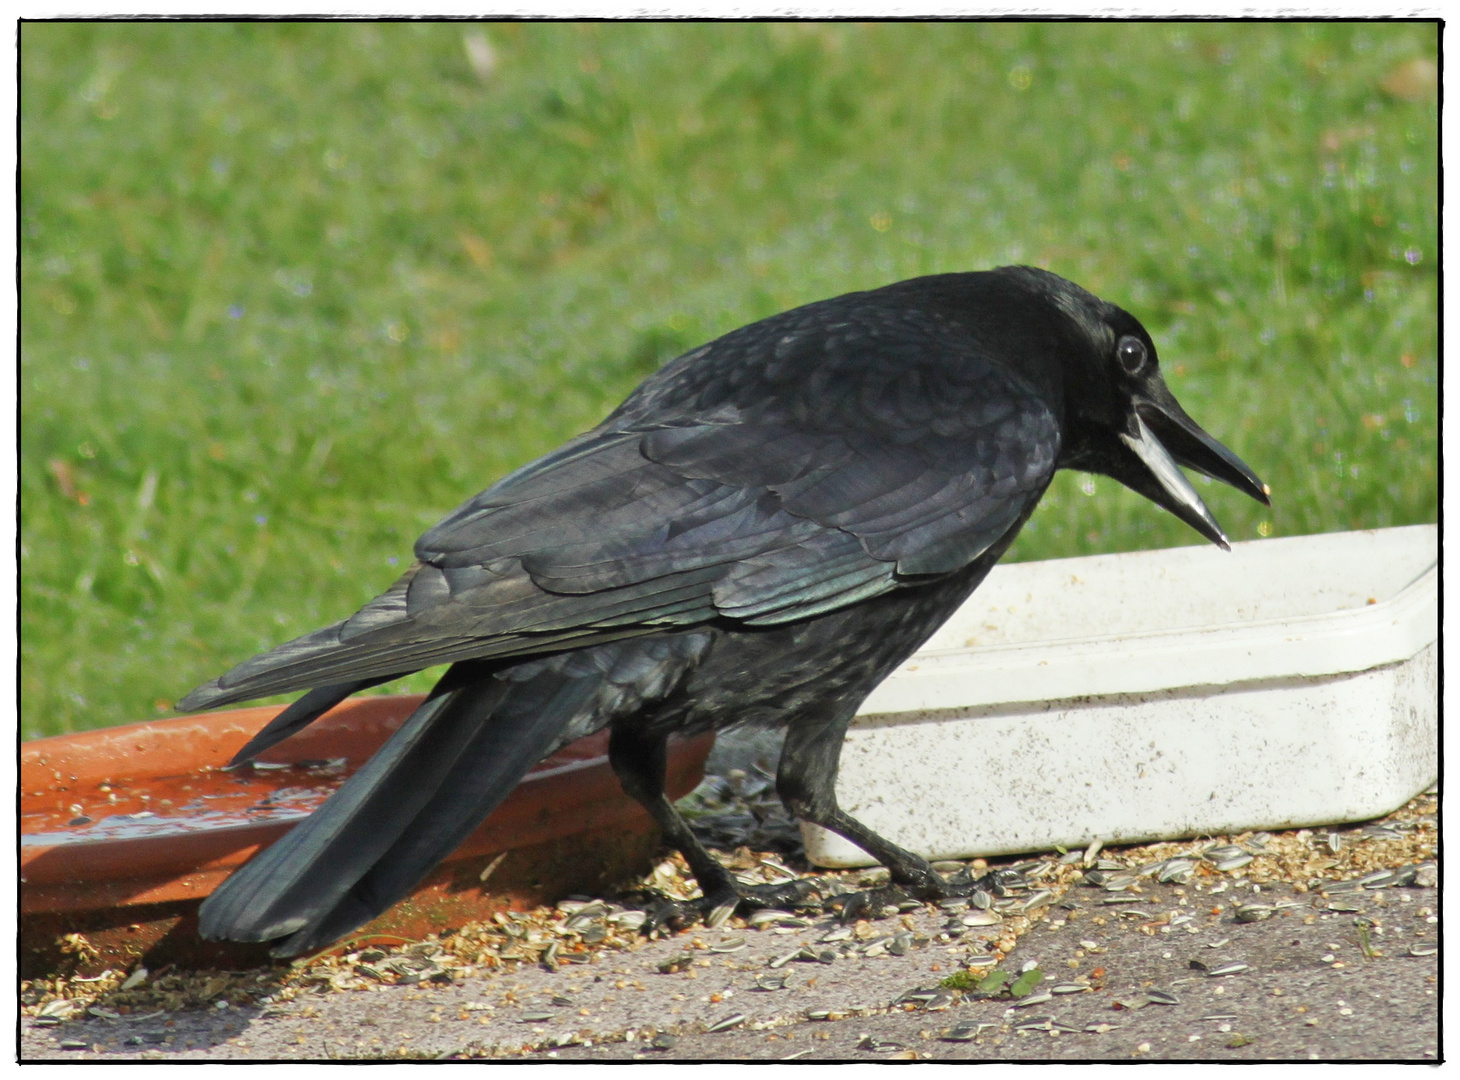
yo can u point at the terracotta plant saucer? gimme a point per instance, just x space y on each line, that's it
125 830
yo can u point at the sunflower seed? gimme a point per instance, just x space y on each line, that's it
1423 950
980 961
1345 905
900 943
782 961
769 982
774 917
1223 851
1095 877
1173 869
1068 988
943 999
1236 862
733 1020
721 914
1233 968
964 1032
733 945
981 918
1426 875
917 995
1160 997
979 898
838 933
629 920
664 1041
534 1017
1034 999
1251 913
876 947
1377 880
1031 1023
1043 896
1119 882
1379 832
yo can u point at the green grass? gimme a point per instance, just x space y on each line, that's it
291 292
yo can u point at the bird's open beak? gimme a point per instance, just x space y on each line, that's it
1163 437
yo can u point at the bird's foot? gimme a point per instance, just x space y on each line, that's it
714 907
868 903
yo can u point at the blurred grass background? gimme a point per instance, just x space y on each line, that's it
289 293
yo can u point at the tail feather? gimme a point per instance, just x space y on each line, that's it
299 879
449 766
299 715
519 735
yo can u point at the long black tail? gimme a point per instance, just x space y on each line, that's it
411 805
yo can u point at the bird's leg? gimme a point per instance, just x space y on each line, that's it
806 782
638 759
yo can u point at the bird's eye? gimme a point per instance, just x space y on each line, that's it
1131 352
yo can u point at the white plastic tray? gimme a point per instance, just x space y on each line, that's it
1157 694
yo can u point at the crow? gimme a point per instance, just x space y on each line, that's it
758 535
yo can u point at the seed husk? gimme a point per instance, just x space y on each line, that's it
964 1032
725 1024
1161 997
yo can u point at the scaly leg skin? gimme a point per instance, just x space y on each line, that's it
806 782
638 760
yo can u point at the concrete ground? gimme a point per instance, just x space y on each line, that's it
1276 959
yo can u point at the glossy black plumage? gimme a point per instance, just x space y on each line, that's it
759 534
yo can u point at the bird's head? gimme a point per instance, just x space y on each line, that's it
1122 421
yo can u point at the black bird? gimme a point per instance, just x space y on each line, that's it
761 533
